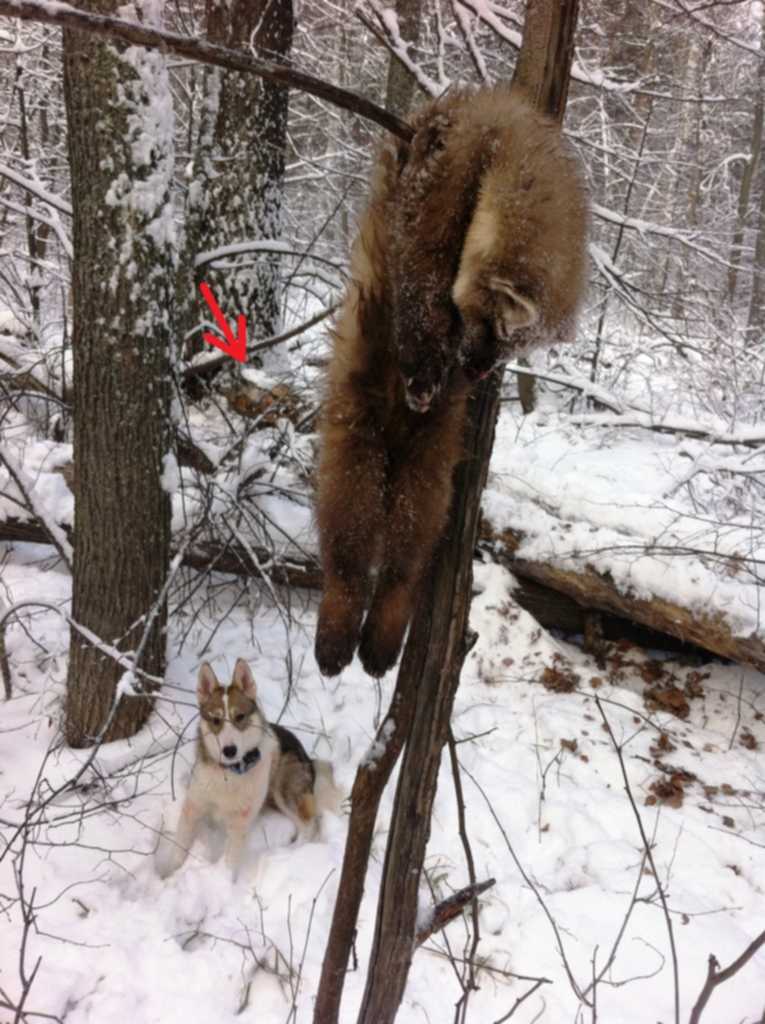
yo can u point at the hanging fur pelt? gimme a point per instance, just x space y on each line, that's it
472 246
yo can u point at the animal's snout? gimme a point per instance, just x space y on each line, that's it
418 394
229 750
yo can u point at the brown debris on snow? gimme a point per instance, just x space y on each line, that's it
667 699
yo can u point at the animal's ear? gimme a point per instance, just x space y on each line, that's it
513 310
206 681
243 678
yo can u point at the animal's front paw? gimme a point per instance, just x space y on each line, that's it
169 857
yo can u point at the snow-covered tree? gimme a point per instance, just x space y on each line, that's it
120 121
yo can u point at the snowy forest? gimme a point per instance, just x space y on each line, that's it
552 807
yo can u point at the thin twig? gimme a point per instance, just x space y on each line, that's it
470 985
651 861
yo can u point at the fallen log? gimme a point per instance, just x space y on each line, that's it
202 556
555 610
595 590
557 598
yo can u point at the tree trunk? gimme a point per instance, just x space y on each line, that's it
544 62
750 170
238 180
756 318
538 75
400 85
34 249
685 206
119 113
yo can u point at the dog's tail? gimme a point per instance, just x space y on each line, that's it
326 792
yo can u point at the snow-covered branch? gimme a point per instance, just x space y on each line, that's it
53 13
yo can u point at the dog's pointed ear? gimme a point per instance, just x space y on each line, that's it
244 679
206 681
513 309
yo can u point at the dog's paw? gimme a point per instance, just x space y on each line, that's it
168 857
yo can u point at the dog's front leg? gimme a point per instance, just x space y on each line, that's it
173 851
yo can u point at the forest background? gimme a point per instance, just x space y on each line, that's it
157 173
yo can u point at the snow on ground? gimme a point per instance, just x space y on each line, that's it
621 502
547 812
544 794
638 505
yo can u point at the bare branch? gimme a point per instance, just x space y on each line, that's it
649 856
202 368
448 909
716 977
64 16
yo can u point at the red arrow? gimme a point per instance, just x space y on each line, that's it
236 347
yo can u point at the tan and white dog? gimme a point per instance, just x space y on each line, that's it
243 763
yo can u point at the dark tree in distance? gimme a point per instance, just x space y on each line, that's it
237 184
400 85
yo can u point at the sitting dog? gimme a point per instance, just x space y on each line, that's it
243 763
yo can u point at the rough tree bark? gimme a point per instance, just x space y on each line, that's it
437 644
236 189
119 114
400 86
756 316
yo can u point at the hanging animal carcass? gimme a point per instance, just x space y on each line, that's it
472 246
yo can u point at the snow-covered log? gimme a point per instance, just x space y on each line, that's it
594 589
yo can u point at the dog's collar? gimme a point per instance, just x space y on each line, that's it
249 760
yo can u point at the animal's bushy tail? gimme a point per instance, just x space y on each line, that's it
328 796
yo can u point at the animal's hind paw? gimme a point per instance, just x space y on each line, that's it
378 653
385 626
334 650
337 632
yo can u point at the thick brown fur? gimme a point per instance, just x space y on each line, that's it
472 245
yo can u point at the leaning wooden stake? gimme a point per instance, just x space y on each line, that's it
437 645
419 714
370 782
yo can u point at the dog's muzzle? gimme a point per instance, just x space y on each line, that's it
249 760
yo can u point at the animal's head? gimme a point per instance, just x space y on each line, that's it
497 319
231 723
486 212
